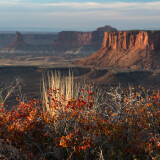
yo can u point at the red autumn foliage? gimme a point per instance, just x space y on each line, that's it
78 129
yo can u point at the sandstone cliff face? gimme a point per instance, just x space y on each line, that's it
130 40
80 42
133 49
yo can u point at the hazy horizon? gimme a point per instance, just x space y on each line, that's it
56 30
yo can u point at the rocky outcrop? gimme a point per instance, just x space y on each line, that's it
128 49
18 42
106 28
20 46
30 38
80 42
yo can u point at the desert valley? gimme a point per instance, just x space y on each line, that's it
106 57
78 95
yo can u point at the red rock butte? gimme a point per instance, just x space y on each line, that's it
18 42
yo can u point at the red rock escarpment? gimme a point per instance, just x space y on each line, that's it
88 41
133 49
69 42
131 40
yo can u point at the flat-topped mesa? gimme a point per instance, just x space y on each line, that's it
89 42
106 28
76 38
73 38
131 40
133 49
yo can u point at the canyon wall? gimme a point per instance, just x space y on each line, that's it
80 42
132 40
66 42
111 48
128 49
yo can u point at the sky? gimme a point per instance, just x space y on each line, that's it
80 15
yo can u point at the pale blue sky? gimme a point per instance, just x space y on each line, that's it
82 15
103 1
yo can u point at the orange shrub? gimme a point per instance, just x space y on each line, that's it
127 129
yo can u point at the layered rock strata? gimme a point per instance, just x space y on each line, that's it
128 49
80 42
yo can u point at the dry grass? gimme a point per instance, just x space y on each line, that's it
67 87
7 90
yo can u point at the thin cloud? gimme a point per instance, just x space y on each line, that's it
69 14
84 5
114 5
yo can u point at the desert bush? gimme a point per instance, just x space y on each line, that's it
126 125
8 89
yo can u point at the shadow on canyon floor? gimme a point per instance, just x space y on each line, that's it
31 78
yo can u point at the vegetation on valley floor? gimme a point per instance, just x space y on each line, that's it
114 125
